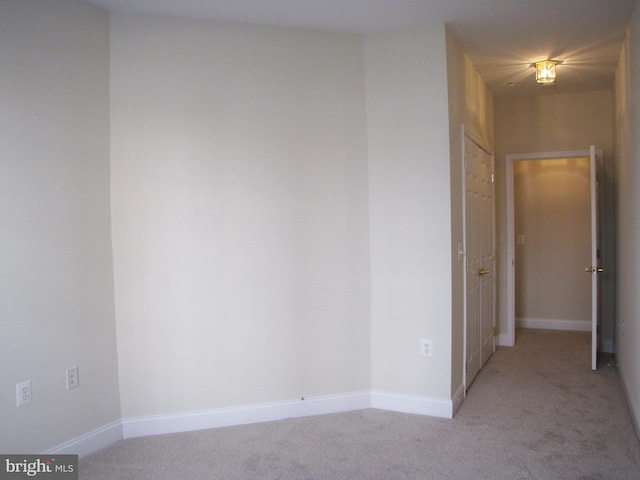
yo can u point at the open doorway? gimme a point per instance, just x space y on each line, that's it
552 225
592 266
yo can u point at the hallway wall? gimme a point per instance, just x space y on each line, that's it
549 123
628 202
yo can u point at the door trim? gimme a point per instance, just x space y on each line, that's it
508 338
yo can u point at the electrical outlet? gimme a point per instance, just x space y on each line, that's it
23 393
73 380
426 347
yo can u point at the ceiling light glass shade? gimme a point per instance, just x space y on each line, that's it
546 72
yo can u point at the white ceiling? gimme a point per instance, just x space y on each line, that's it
502 37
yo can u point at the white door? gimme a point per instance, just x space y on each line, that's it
595 268
480 258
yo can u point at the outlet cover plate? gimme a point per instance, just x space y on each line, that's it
426 347
23 393
73 380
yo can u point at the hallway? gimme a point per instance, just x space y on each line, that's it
557 417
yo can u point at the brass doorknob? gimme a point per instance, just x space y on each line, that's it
594 270
482 272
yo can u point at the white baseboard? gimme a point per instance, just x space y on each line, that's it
90 442
109 434
412 404
504 340
607 346
631 401
554 324
243 415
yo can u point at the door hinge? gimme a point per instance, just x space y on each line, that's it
493 178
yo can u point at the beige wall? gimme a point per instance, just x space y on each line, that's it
240 219
56 300
553 217
628 206
550 123
409 198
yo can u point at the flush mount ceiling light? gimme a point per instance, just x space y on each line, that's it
546 72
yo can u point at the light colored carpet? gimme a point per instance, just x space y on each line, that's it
536 411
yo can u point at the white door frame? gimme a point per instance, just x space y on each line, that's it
508 338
